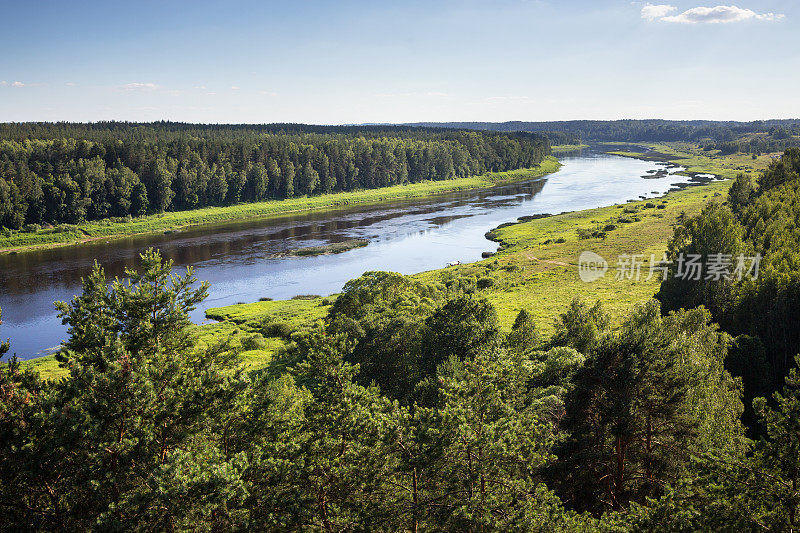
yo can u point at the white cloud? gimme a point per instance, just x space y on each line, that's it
137 86
12 84
235 88
705 15
70 84
653 12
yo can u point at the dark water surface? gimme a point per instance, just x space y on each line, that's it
237 258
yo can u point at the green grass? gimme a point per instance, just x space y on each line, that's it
332 248
238 322
697 160
47 367
173 221
561 148
543 278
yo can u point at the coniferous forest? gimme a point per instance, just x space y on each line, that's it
70 173
400 267
408 408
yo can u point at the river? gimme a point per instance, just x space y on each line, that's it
238 259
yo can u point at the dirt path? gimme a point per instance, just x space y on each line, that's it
560 263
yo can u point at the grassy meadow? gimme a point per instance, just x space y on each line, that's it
697 160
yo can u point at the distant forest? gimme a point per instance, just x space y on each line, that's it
707 132
55 173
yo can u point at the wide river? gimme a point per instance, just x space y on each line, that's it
238 258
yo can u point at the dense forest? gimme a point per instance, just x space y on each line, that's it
654 130
408 408
760 217
69 173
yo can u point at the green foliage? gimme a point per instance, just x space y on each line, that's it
763 221
523 337
134 424
580 326
714 231
59 173
741 192
647 398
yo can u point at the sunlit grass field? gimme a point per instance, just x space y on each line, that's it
697 160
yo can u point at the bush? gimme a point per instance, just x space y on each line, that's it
254 342
485 283
560 240
306 297
661 206
277 329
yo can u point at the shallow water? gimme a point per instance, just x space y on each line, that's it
238 258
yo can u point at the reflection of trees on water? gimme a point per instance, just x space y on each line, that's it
35 271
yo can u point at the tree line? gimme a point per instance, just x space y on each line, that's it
407 409
70 173
653 130
761 216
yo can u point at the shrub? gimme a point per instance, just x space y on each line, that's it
254 342
277 329
485 283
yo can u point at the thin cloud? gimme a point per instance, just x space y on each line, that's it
656 11
705 15
12 84
235 88
507 98
430 94
138 86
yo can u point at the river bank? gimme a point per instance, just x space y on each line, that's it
535 270
695 159
106 230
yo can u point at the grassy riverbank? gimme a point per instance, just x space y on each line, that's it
562 148
175 221
536 269
696 160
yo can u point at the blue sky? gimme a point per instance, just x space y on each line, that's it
372 61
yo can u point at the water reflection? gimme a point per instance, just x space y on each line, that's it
239 258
